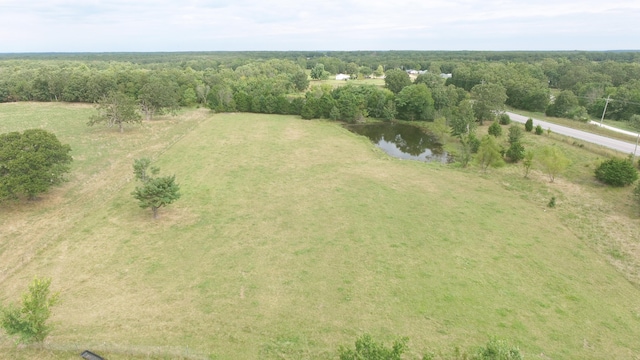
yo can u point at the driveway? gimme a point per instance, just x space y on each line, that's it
619 145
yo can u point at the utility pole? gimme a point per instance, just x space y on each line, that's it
605 109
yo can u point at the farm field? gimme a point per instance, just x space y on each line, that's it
294 237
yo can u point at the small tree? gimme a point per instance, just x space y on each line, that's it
528 126
29 321
505 119
489 154
527 162
157 192
515 152
154 192
141 167
368 349
539 130
116 108
495 129
515 134
617 172
552 161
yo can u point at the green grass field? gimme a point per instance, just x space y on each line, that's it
293 237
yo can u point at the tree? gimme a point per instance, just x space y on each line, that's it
29 321
396 80
527 162
318 72
515 134
489 99
515 152
528 126
141 167
116 108
489 153
158 96
553 161
368 349
31 162
155 192
495 129
379 71
414 102
462 120
617 172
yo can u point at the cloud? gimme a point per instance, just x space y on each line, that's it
146 25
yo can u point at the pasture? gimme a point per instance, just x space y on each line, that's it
293 237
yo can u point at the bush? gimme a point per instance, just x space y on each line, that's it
368 349
498 350
505 119
528 126
495 129
617 172
539 130
515 152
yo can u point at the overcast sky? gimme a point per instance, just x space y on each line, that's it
210 25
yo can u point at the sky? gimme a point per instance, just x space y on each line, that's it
281 25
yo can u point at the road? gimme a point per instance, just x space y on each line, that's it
619 145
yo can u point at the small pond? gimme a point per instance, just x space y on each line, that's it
404 141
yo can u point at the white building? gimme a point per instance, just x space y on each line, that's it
343 77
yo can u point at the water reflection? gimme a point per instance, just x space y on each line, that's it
403 141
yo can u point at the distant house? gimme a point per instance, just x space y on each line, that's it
343 77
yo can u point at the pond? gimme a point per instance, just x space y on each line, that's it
404 141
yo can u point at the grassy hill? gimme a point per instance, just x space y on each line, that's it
293 237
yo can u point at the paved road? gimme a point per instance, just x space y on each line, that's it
622 146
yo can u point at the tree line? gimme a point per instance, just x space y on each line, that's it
277 82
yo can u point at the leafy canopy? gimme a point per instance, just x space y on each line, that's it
31 162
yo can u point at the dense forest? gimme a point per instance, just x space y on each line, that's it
564 84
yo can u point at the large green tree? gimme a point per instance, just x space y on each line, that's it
414 102
31 162
489 99
116 108
396 80
158 96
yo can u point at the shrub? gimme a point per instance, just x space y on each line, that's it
515 152
505 119
616 172
528 126
552 202
498 350
368 349
495 129
539 130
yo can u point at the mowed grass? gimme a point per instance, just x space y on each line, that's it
293 237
